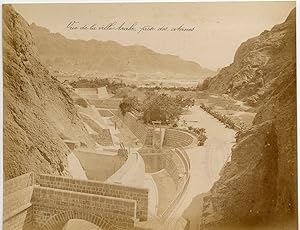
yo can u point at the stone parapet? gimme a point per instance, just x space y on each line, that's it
49 201
18 183
99 188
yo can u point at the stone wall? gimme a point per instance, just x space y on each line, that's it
177 138
49 202
177 164
86 91
174 166
105 113
182 183
174 161
137 127
111 103
17 202
20 221
102 136
18 183
154 162
140 195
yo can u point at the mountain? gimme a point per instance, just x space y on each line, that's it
109 57
39 114
257 189
259 65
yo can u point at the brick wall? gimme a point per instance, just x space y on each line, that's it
31 201
94 187
48 202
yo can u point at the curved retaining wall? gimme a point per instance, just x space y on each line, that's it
182 184
177 164
174 167
132 172
177 138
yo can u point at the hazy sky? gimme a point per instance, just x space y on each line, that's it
219 27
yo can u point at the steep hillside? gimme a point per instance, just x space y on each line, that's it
258 188
108 57
38 111
259 64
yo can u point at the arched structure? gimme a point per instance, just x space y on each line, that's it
34 201
58 221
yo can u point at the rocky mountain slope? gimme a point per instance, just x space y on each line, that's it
109 57
258 188
257 64
38 111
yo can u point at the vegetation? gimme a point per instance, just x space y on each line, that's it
200 133
157 107
129 104
222 118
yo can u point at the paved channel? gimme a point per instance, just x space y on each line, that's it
206 161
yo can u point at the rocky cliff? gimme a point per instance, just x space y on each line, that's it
38 111
258 188
258 65
109 57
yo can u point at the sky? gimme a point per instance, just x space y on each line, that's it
219 27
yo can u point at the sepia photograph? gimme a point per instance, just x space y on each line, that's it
149 116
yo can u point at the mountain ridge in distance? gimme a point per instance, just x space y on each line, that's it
110 57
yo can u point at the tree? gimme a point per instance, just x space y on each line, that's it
162 107
129 104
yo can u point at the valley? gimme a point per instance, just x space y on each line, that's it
98 135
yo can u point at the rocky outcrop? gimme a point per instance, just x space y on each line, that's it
257 189
259 64
38 111
109 57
